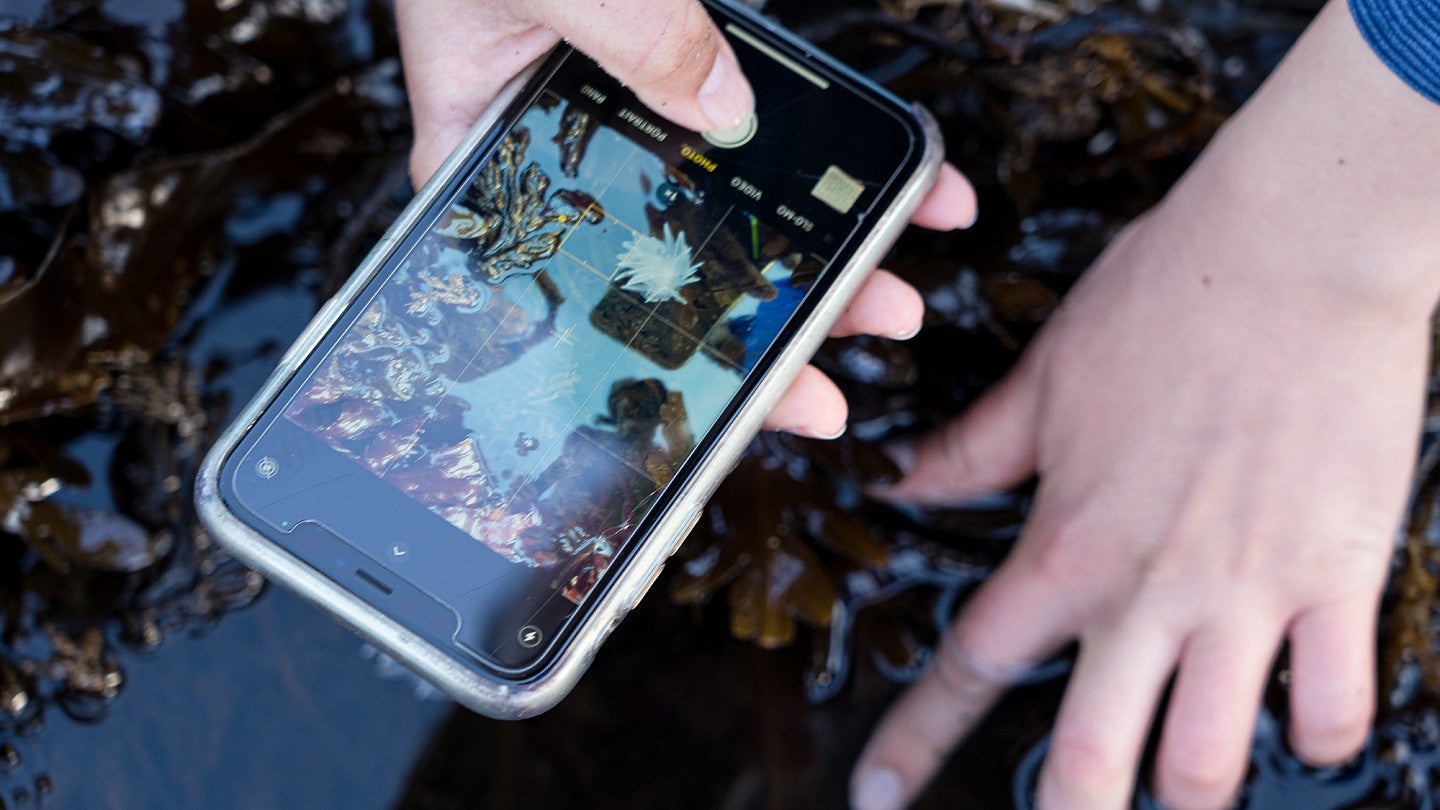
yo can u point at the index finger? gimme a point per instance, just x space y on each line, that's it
1013 623
951 203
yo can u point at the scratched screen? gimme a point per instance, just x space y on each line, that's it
540 364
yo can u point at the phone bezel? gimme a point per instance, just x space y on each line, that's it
345 573
525 692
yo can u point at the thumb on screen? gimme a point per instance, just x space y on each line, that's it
458 54
668 51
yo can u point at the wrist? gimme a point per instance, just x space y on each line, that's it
1335 164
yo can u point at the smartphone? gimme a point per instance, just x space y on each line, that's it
483 449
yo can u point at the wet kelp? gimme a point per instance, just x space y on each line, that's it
148 162
162 162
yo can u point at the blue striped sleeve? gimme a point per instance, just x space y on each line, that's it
1406 36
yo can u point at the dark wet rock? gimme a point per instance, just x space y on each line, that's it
142 161
52 84
91 538
32 179
869 361
143 12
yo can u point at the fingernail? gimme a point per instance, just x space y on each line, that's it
908 333
725 97
877 789
816 434
974 218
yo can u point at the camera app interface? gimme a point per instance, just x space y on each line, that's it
537 366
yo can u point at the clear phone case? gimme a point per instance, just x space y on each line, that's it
491 695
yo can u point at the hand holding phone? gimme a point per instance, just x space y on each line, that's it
459 54
687 69
482 451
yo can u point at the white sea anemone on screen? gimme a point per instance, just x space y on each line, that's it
657 268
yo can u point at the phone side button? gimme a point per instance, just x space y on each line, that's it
680 536
690 524
614 623
640 594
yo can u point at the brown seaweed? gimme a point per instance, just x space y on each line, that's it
111 232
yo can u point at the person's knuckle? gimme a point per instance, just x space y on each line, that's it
1360 557
678 50
1155 577
1057 552
972 657
1199 776
1084 763
1332 735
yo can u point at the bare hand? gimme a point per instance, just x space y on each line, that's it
1223 417
1211 482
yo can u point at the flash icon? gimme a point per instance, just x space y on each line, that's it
529 636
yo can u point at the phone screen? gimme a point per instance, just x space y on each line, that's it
533 373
